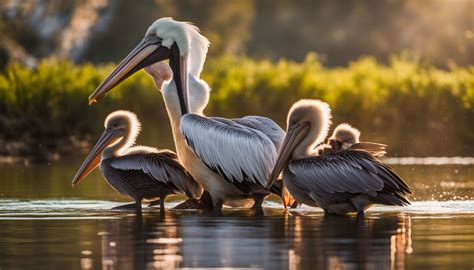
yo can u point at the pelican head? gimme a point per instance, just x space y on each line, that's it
166 39
307 125
121 130
343 137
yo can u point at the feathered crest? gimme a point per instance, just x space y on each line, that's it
198 49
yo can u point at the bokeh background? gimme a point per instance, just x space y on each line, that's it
400 70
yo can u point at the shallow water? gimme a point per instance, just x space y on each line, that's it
45 223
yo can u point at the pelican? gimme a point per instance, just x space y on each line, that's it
346 137
140 172
343 137
230 158
342 182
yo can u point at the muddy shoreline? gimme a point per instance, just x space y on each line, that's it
39 151
32 139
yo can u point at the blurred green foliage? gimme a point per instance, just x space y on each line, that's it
438 31
416 109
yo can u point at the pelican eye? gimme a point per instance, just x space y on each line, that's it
151 36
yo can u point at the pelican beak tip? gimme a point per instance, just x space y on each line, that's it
92 101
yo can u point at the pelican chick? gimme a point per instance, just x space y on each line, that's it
346 137
341 182
139 172
343 137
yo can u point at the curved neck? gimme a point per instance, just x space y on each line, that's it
120 147
306 148
198 92
176 66
198 98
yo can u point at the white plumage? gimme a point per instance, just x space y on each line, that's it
188 38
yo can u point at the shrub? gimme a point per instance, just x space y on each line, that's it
416 109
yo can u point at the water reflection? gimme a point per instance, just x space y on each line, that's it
253 239
348 243
140 242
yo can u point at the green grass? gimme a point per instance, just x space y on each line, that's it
416 109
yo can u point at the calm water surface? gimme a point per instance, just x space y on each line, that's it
45 223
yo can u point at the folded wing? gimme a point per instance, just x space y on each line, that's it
349 172
239 149
162 166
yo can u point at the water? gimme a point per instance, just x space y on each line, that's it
45 223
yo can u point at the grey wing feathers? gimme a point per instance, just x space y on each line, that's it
353 172
375 149
237 152
266 126
162 166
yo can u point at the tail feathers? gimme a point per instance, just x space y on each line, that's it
375 149
392 199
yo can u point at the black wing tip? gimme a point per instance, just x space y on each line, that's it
392 198
401 184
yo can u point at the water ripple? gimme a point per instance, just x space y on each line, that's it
429 160
96 209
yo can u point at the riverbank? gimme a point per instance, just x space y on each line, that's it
33 151
25 140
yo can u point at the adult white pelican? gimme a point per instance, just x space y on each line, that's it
342 182
231 158
346 137
139 172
